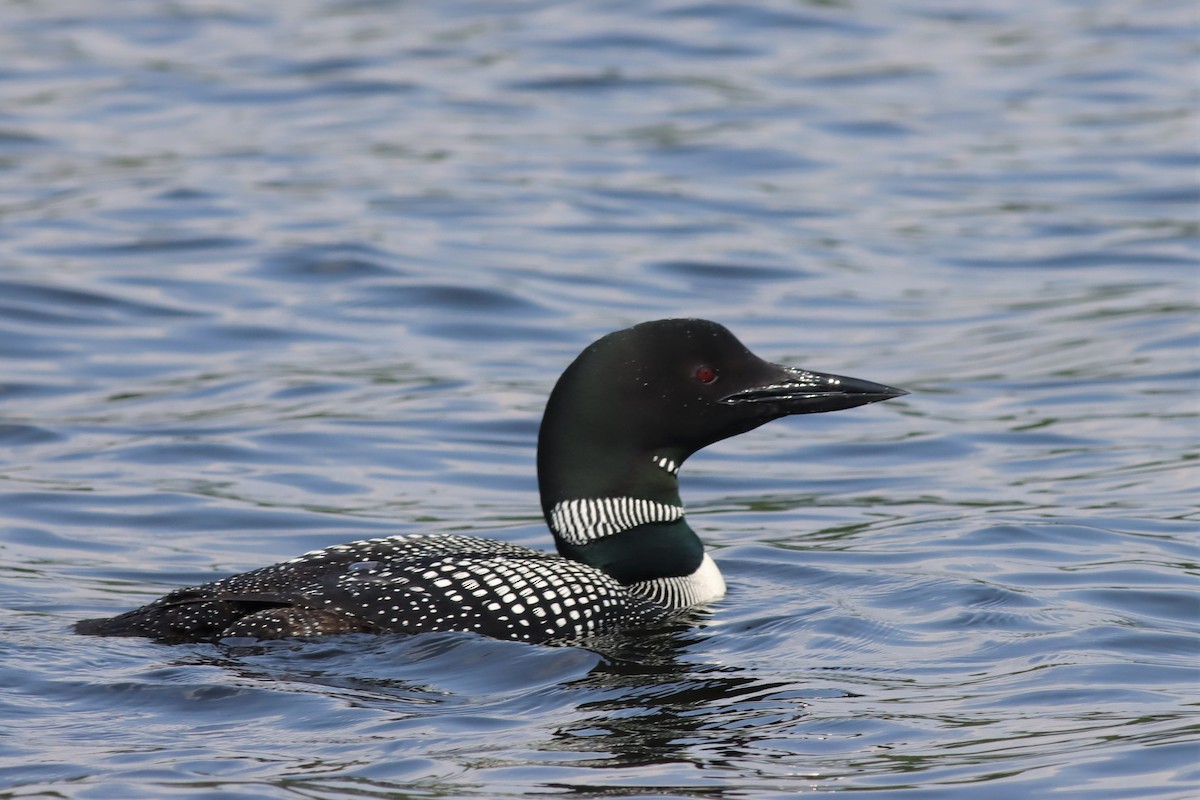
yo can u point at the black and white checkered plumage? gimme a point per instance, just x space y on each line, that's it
402 584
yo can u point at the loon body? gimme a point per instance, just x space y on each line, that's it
620 422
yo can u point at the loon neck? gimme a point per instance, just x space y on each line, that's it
636 533
641 553
589 499
663 561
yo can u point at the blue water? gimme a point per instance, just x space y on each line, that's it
274 276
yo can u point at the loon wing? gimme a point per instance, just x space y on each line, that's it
403 584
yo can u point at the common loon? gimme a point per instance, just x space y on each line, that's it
619 423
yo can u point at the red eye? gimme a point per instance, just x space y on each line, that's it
706 374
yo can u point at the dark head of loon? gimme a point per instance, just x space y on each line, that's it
631 409
622 419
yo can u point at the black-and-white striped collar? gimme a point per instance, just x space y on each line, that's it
579 522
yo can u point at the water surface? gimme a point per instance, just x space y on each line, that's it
277 276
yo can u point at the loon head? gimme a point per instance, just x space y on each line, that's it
631 408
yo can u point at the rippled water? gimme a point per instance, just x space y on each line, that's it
280 275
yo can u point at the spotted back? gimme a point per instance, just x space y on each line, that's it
403 584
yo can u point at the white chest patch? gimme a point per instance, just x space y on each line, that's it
702 586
